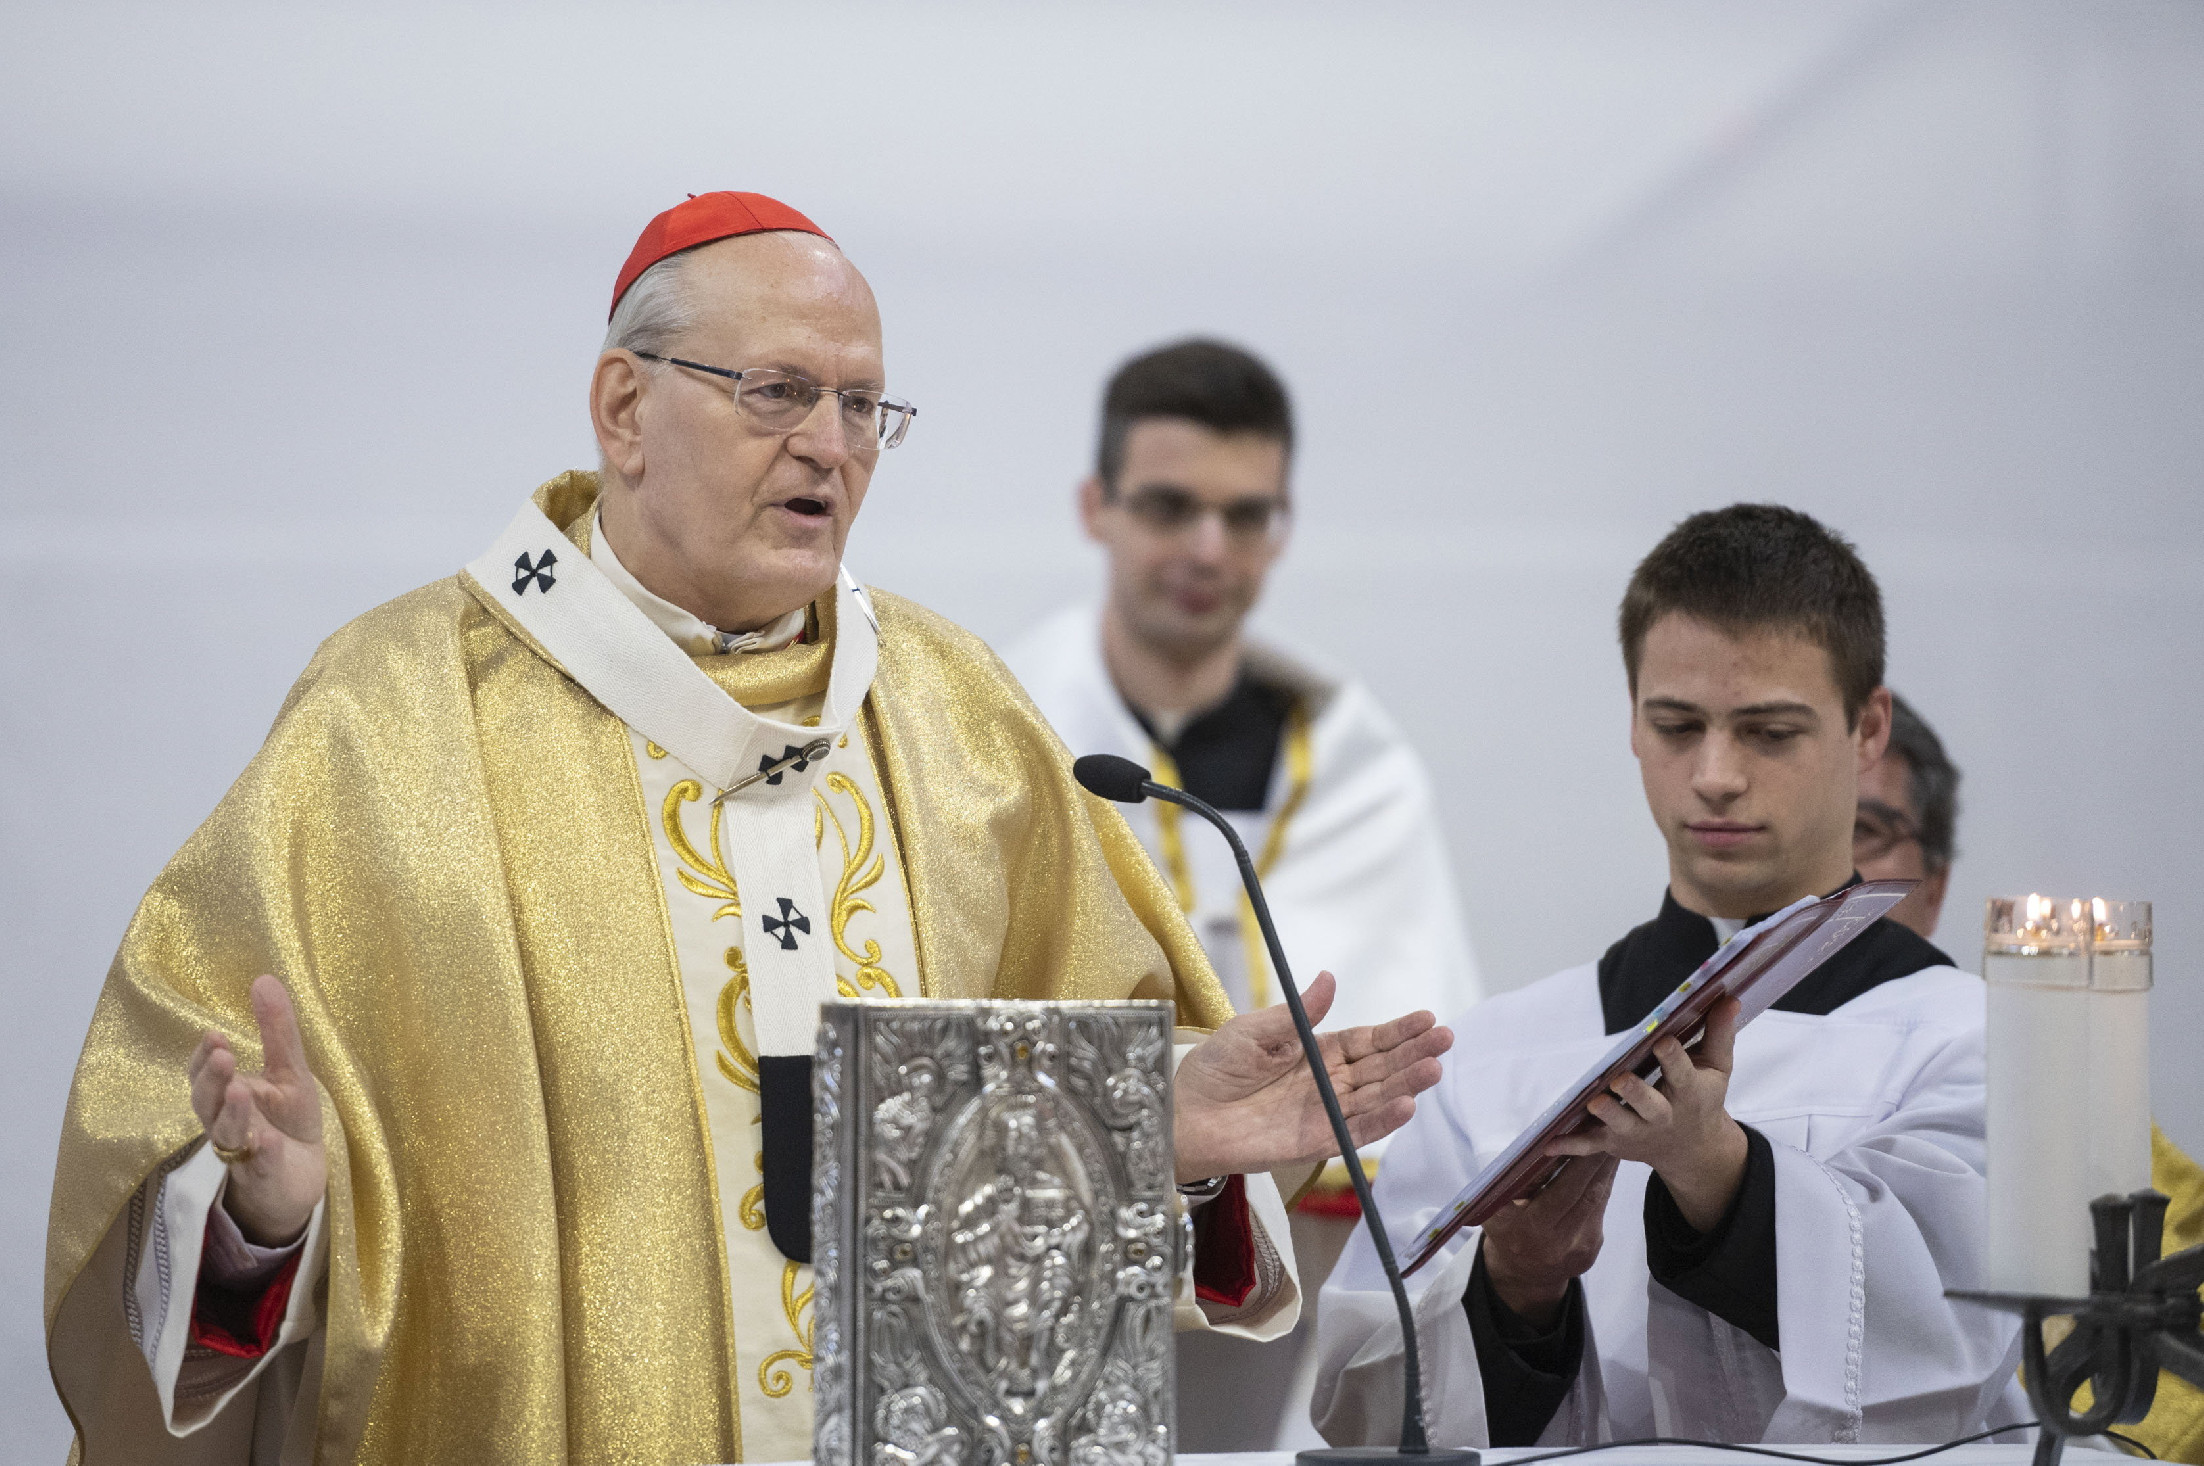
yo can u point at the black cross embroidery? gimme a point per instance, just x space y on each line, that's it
766 762
540 572
787 924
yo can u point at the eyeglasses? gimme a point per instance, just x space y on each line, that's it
779 402
1879 828
1169 511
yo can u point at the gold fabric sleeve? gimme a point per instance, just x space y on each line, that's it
442 850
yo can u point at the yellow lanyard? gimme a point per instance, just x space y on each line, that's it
1299 764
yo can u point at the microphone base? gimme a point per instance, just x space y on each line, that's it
1386 1456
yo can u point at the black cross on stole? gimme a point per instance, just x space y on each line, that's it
787 924
539 573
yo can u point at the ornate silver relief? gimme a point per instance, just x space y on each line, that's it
995 1235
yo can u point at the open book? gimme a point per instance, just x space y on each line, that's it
1757 967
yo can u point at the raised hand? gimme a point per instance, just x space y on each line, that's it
270 1122
1243 1099
1679 1126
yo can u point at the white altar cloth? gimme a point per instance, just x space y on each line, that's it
1984 1454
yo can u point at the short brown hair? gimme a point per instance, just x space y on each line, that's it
1762 567
1213 383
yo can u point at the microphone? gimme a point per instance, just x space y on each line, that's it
1125 782
1114 778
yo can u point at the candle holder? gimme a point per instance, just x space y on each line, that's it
2143 1314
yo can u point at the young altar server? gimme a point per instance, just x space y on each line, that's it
1756 1249
1190 500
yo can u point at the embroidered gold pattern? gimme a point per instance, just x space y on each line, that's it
736 1060
752 1210
861 871
653 749
705 876
842 804
794 1307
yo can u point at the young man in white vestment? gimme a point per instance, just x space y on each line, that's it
557 860
1190 500
1757 1248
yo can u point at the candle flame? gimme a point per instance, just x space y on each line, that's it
2043 925
2047 923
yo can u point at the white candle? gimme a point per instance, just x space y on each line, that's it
2069 1080
2119 1046
2037 968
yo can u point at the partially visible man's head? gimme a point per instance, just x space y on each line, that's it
1189 491
736 522
1753 641
1909 816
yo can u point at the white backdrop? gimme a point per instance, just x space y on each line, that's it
299 301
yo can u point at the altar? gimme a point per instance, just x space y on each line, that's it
1983 1454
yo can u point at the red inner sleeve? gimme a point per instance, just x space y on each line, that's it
1224 1247
243 1323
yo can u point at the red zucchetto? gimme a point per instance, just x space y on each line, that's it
703 218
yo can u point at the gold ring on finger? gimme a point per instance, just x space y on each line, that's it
230 1155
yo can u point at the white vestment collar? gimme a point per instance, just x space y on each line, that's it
614 650
692 633
764 769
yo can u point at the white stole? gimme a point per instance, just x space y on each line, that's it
783 887
761 769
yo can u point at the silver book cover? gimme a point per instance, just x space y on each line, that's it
996 1238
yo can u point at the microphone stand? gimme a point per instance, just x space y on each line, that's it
1114 778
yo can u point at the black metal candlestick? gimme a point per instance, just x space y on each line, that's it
2142 1315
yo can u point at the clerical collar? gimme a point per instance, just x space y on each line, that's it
1648 964
692 634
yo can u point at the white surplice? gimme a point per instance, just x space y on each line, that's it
1362 884
1875 1114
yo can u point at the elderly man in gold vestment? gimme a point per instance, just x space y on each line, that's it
448 1099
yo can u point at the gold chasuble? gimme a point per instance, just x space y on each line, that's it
521 958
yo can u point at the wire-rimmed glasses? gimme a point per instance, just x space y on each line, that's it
1878 829
1168 510
779 402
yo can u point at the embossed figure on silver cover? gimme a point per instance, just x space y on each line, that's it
995 1235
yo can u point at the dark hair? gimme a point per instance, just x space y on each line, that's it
1223 388
1932 782
1762 566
